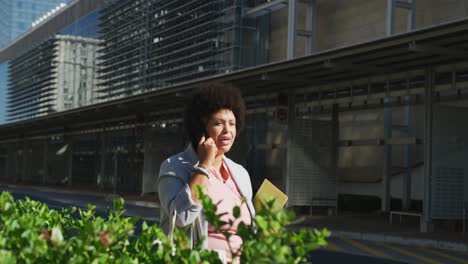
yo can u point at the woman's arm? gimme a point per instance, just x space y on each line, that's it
174 191
197 179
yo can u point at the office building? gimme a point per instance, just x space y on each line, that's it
154 44
345 99
63 77
16 17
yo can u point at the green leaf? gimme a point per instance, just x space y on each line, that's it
118 204
144 226
236 211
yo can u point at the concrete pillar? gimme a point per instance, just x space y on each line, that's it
411 25
292 29
390 17
311 23
24 161
406 203
70 161
102 167
116 169
335 145
387 173
427 224
152 152
45 161
132 178
17 157
290 141
97 160
7 162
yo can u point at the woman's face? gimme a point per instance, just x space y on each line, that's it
221 127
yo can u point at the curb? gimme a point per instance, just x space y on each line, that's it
55 190
142 203
392 239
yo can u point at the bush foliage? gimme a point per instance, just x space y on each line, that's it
30 232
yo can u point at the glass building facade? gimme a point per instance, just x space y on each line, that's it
129 47
63 76
154 44
16 17
21 14
145 45
5 22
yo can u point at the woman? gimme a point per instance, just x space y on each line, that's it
213 118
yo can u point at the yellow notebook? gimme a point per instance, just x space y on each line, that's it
268 192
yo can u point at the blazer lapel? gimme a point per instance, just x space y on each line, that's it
237 177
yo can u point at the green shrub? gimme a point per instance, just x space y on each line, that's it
30 232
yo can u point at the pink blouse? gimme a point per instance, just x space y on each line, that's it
225 192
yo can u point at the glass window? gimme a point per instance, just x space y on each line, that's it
21 25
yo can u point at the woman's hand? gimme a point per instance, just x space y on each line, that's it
207 152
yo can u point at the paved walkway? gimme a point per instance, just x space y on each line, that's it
377 227
382 252
365 227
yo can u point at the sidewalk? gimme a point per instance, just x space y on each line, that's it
377 227
371 227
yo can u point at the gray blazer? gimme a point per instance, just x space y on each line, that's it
176 198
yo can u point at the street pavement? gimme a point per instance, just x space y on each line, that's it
339 250
401 253
59 200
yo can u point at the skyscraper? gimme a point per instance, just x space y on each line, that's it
16 17
63 77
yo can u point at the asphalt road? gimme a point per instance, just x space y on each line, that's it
59 200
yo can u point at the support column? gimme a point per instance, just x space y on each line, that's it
7 162
24 161
411 24
311 22
115 178
387 173
292 28
132 179
390 17
427 225
17 157
103 159
97 161
406 201
392 5
290 142
70 162
45 161
335 147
